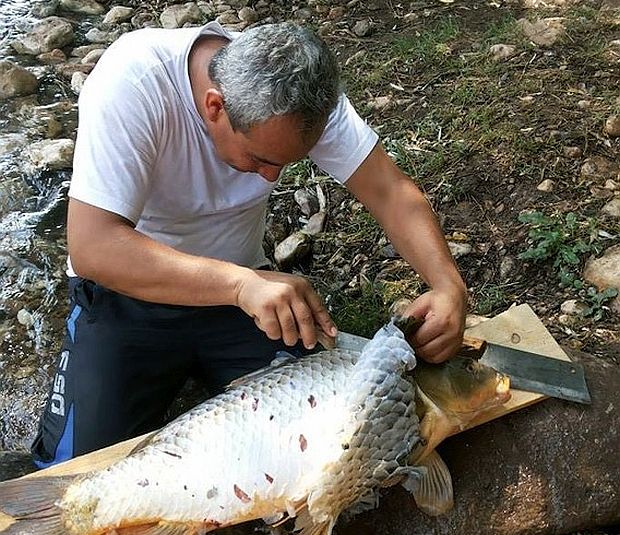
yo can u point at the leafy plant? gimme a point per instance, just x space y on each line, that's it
560 238
596 302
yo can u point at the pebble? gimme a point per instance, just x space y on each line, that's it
546 185
25 318
612 126
573 152
362 28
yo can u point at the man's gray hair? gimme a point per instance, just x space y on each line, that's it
276 69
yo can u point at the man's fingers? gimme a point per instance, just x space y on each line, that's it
320 314
288 326
270 325
305 324
436 351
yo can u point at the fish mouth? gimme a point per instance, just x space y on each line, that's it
502 391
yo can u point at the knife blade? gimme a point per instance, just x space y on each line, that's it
533 372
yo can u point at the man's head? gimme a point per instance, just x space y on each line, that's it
277 84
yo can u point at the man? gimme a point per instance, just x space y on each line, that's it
182 136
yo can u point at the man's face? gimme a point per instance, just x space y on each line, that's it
266 148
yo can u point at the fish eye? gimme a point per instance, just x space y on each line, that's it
471 366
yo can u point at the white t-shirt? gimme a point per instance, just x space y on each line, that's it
143 151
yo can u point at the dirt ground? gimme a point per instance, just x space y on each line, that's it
479 135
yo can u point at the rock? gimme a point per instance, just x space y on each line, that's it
506 267
611 185
336 13
42 10
502 52
53 57
247 14
25 318
292 250
549 468
612 126
307 202
546 185
52 153
118 14
604 272
303 14
77 82
612 208
45 36
93 56
601 168
15 81
9 143
362 28
459 249
177 15
86 7
543 32
67 70
228 18
573 307
98 36
144 20
380 103
315 224
573 152
15 464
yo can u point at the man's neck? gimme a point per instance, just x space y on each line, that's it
198 64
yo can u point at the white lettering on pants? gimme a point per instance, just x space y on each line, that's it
57 401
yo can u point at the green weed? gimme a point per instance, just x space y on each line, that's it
597 302
560 238
429 46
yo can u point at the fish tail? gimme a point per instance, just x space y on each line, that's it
30 504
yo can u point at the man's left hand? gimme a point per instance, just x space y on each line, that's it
441 334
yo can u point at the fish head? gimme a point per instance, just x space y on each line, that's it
463 387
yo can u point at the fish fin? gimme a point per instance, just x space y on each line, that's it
162 528
41 526
32 502
306 525
433 490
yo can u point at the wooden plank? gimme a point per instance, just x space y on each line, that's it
517 327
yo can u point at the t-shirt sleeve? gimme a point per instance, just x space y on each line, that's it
345 143
116 145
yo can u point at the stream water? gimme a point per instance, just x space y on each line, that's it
32 244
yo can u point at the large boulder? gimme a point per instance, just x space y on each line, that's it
15 81
550 468
45 36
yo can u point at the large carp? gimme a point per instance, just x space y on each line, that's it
304 438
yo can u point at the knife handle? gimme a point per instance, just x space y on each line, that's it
473 347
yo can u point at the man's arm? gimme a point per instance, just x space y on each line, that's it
106 248
408 220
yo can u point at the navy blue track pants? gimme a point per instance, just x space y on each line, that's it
123 361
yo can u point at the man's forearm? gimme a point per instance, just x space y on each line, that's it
414 231
105 248
137 266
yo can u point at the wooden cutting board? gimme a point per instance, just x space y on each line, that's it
517 327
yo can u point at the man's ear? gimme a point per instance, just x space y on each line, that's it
214 104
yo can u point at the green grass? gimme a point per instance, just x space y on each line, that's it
429 46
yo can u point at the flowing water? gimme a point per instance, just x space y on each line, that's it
32 243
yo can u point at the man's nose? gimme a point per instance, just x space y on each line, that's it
271 173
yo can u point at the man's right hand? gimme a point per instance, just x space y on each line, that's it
284 306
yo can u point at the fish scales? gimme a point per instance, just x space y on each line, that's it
323 431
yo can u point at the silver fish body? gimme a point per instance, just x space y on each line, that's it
305 438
